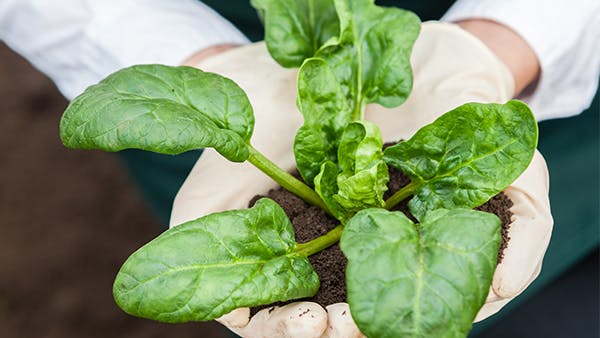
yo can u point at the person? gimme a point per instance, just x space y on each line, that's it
76 43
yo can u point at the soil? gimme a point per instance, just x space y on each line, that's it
310 222
68 220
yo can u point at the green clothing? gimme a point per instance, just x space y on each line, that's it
569 145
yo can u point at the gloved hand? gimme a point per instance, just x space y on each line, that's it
450 67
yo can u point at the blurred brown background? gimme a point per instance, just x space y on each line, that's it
68 220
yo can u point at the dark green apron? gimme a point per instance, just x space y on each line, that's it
569 145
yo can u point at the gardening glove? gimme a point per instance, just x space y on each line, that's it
450 67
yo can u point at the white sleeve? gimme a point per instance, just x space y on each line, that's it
79 42
565 36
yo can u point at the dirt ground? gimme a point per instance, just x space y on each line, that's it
68 219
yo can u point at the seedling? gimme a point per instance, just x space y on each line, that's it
427 279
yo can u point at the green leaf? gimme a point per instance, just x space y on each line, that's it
360 147
326 113
362 190
371 58
363 177
320 97
296 29
326 187
205 268
313 147
424 280
466 156
162 109
364 174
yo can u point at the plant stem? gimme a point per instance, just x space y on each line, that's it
284 179
320 243
400 195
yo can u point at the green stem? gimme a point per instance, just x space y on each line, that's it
400 195
320 243
359 110
284 179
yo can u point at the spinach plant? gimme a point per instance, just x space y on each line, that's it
427 279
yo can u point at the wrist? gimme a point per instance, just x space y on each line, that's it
509 47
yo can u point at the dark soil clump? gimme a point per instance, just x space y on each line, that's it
500 206
310 222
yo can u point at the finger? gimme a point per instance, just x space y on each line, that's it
491 308
494 303
529 232
340 323
296 320
235 319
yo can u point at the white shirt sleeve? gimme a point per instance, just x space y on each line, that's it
565 36
79 42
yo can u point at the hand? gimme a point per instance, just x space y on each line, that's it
450 67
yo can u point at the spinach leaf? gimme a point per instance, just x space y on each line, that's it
371 57
363 177
423 280
326 113
467 155
296 29
163 109
326 187
205 268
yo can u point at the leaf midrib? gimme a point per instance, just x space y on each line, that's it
172 270
450 173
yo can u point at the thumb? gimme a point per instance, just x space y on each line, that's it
529 232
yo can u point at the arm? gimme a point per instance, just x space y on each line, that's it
78 42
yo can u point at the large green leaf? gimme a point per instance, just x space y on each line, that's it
205 268
296 29
162 109
371 58
423 280
326 113
467 155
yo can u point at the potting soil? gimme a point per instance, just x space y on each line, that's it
310 222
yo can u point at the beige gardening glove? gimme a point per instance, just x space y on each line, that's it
451 67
